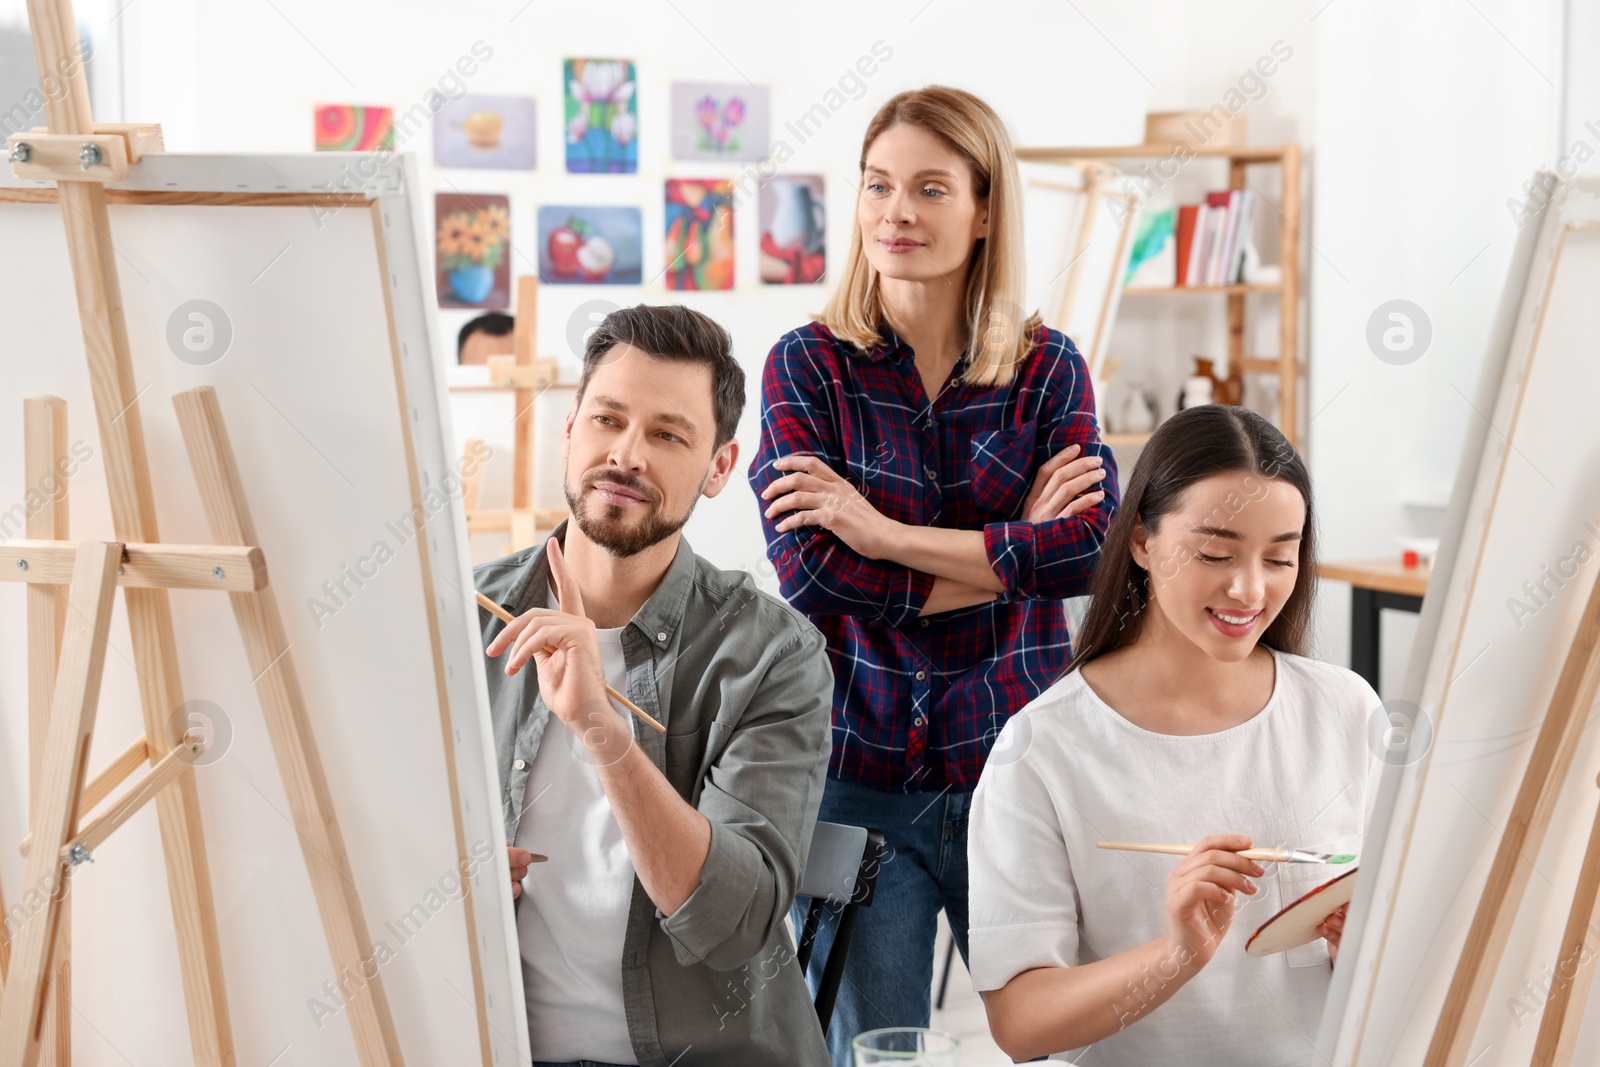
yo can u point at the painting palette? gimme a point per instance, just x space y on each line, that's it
1297 924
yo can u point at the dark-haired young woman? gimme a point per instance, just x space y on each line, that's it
1189 714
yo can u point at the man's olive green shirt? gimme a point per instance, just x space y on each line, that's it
742 683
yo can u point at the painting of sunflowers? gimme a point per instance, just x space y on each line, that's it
473 242
602 117
699 244
720 122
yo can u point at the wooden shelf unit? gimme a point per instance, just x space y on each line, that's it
1286 364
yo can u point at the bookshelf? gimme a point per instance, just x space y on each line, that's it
1286 363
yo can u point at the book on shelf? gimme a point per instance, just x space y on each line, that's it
1217 203
1153 262
1188 214
1209 241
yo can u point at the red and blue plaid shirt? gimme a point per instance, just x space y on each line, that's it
918 702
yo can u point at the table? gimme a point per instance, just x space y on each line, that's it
1375 584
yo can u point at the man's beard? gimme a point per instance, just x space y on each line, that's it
603 524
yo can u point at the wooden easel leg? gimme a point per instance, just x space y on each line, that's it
1547 768
45 460
1558 1030
283 707
149 620
5 944
55 815
471 468
524 335
105 338
523 530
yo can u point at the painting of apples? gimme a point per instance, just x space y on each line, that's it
716 121
699 244
602 116
590 245
473 242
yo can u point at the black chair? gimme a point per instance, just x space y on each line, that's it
841 872
944 974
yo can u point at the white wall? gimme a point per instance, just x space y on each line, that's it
1420 120
1431 115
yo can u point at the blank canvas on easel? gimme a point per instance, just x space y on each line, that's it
1519 558
331 391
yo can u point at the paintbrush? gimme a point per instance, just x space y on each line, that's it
505 616
1260 855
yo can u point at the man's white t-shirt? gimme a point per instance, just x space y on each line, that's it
574 911
1068 771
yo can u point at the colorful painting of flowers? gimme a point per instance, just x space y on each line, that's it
590 245
473 237
354 128
794 230
720 121
699 244
602 117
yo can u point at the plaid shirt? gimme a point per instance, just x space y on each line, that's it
918 702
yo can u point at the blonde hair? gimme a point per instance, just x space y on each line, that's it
998 340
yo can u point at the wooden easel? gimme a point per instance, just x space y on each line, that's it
1095 188
79 156
1558 1030
525 377
1524 834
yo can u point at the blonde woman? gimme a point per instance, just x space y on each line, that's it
933 484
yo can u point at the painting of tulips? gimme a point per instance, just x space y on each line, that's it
602 117
473 237
720 121
699 244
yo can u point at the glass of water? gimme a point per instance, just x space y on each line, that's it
905 1046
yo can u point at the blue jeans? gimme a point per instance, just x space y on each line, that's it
889 971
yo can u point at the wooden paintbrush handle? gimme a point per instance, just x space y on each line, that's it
505 616
1260 855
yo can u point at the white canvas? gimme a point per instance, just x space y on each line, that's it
309 387
1526 505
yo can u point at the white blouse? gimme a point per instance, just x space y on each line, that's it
1068 771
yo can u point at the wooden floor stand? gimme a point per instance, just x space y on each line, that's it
79 157
1551 759
56 798
1574 966
526 378
45 462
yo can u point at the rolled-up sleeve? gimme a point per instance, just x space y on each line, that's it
818 573
1056 559
761 797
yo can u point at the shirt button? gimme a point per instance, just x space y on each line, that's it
932 474
921 675
662 636
521 765
924 622
919 721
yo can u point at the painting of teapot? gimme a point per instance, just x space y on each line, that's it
793 231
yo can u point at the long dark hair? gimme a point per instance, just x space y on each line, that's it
1193 444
